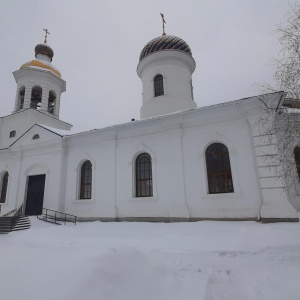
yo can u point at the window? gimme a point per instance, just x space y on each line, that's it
21 97
36 137
218 169
36 97
158 85
297 160
12 134
143 176
51 102
4 184
86 180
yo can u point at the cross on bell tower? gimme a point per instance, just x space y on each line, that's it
46 33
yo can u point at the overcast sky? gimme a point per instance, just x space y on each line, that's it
97 44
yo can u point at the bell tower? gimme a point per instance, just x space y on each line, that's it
39 83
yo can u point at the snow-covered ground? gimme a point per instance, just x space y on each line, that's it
151 261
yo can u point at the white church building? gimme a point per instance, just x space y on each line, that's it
177 163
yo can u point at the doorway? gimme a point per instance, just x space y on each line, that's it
35 195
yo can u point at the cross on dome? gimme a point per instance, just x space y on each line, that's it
46 33
163 23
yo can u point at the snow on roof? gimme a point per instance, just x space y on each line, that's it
176 114
60 132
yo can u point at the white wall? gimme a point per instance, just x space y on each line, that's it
179 174
176 68
22 121
177 145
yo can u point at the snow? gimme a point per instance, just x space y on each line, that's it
121 260
60 132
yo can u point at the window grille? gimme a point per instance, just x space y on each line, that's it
12 134
297 160
158 86
4 184
218 169
86 180
143 175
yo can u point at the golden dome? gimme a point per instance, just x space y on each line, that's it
41 64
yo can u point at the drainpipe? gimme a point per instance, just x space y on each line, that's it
183 169
63 177
254 159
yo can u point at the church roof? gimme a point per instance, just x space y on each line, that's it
165 42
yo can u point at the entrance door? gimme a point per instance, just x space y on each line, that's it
35 195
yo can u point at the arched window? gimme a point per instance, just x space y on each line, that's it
36 97
143 176
86 180
297 160
36 137
12 134
51 102
218 169
158 85
21 97
4 184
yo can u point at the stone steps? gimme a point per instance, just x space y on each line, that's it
8 224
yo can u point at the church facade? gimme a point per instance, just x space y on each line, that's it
178 163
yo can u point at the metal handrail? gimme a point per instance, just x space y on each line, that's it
15 217
9 213
63 216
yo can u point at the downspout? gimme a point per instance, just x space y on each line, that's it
63 175
115 176
254 159
19 175
183 169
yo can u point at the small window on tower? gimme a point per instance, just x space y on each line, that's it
12 134
36 137
158 85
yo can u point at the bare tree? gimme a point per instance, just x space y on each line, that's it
279 125
287 64
279 133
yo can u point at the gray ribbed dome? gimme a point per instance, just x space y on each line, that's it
165 42
44 49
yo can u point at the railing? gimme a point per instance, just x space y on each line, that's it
56 216
10 212
15 217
